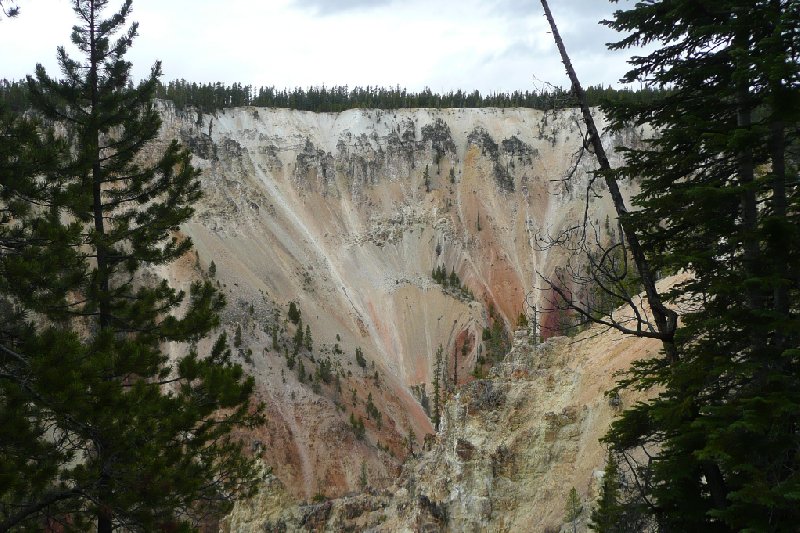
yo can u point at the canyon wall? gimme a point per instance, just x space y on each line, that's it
348 215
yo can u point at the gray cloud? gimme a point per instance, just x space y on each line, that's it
596 9
331 7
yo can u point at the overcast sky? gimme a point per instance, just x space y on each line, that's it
490 45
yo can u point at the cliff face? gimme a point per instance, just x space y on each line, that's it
510 449
347 215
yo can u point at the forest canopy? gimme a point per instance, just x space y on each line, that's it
210 97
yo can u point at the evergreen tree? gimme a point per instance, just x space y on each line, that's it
573 509
412 438
607 516
132 438
437 394
308 340
360 358
294 313
719 197
362 479
237 336
27 461
298 337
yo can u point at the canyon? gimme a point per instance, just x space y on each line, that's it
349 215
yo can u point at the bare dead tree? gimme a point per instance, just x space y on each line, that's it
606 273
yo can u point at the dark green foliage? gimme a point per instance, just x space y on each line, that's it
294 313
452 175
237 337
437 392
360 358
212 269
301 371
572 509
309 342
720 198
211 97
117 431
275 338
451 283
426 179
298 337
607 517
362 479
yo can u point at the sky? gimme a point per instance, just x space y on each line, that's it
489 45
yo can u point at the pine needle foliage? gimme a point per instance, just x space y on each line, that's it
119 433
720 199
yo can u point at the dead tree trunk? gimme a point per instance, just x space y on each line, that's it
665 318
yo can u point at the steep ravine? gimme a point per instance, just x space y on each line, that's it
333 212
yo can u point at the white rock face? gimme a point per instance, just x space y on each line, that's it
333 211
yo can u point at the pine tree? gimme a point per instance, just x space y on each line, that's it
437 394
294 313
607 516
573 509
298 338
237 336
719 197
360 358
308 340
363 481
132 436
27 461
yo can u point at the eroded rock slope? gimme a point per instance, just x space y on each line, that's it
510 449
348 215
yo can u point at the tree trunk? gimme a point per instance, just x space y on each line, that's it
666 319
104 521
746 174
104 516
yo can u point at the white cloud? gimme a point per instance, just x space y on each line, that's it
444 44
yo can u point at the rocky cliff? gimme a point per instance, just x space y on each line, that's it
349 215
510 449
